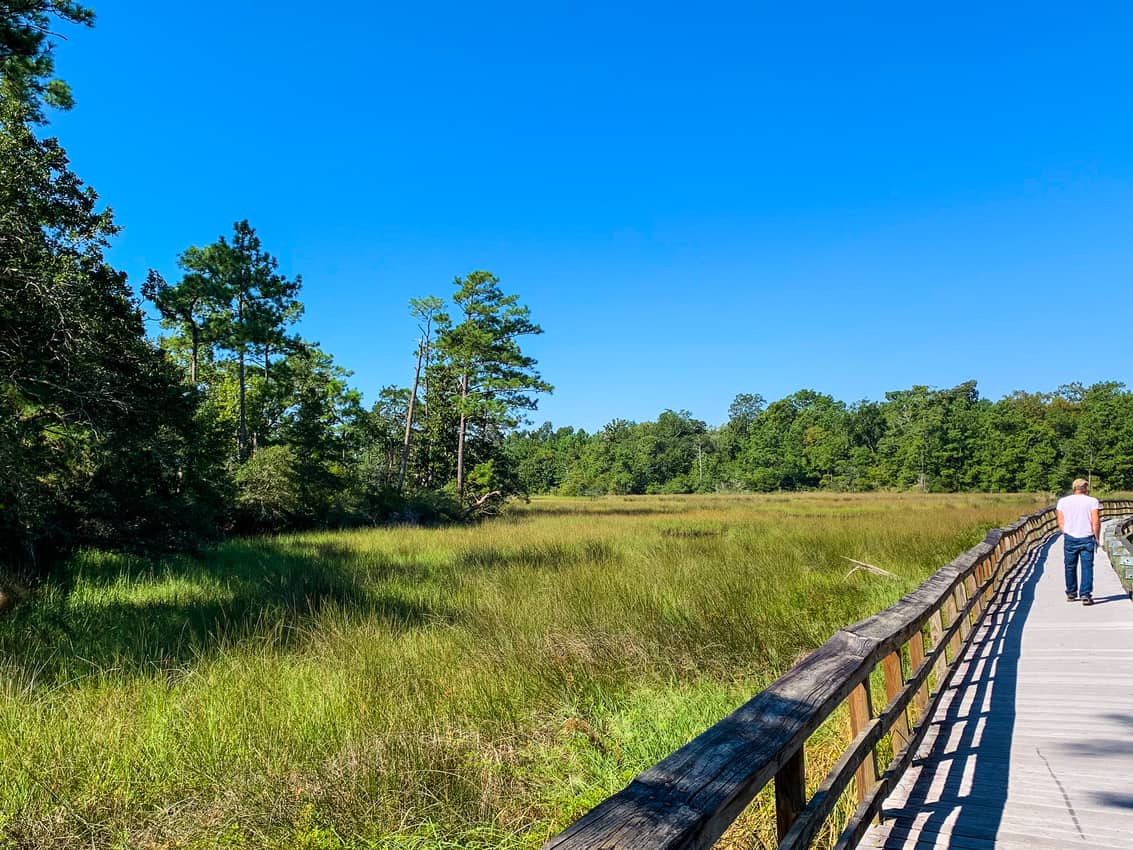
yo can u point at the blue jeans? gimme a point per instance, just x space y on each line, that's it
1072 549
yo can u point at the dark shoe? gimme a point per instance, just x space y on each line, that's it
1071 597
1087 600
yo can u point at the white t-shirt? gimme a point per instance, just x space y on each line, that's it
1076 514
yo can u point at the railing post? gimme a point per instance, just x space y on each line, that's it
971 585
983 573
790 792
894 681
916 658
935 633
960 594
860 714
950 617
993 564
1009 561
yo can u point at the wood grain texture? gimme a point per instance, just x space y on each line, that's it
790 792
894 682
860 715
916 658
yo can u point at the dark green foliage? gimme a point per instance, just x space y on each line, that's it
26 61
675 454
96 429
421 507
268 488
920 438
1018 446
543 458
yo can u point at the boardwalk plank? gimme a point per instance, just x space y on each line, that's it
902 837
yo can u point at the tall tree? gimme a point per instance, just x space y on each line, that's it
496 380
249 306
188 307
94 424
1102 445
913 420
1019 449
427 311
321 426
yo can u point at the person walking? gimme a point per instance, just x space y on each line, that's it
1079 520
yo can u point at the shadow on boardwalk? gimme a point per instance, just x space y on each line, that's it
968 788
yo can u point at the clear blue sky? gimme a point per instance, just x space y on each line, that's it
695 200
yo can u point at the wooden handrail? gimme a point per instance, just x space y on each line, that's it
1126 526
687 800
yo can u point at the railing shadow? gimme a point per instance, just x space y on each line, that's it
971 751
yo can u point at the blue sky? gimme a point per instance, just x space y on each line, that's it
694 200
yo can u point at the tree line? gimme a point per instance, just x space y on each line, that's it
920 438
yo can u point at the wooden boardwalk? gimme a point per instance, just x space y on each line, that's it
1032 746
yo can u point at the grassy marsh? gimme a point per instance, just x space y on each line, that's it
431 688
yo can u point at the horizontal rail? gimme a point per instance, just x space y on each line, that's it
1113 508
687 800
1119 546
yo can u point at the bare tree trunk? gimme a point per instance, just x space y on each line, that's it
426 379
196 332
242 440
409 421
460 438
242 436
263 396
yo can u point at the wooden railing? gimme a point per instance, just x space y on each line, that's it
1125 527
691 797
1122 549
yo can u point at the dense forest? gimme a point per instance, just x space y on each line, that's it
232 422
920 438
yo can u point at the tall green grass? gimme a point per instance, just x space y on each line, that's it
431 688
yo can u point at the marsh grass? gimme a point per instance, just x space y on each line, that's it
464 687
